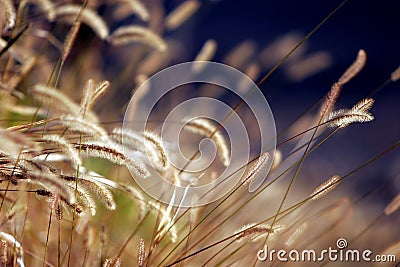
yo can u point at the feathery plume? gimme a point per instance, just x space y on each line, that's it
139 9
12 141
52 183
358 113
309 65
180 14
393 206
129 138
53 200
86 97
65 146
325 187
127 34
85 197
59 212
83 223
86 15
364 105
3 43
277 160
296 234
166 218
342 118
205 127
25 110
355 68
91 94
93 185
70 39
112 262
83 126
257 167
257 231
241 54
3 253
155 148
19 252
75 207
114 153
141 253
330 99
10 14
25 69
142 203
47 7
100 89
55 99
252 71
206 53
395 75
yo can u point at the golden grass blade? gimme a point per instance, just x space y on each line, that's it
166 218
83 126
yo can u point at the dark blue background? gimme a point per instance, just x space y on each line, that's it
371 25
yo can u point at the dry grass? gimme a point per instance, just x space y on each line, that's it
67 198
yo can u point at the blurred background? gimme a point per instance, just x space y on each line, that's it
269 29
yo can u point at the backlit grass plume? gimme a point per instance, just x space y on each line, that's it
69 162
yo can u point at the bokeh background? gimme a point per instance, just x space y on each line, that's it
369 25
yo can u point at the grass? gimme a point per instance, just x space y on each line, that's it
68 71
